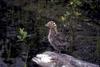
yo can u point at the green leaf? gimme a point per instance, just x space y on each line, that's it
22 34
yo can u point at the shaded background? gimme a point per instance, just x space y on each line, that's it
78 20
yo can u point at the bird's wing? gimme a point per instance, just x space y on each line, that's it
60 39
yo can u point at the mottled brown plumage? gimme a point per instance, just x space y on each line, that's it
57 39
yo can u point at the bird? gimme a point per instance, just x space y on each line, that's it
56 39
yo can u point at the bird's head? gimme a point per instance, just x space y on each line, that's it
51 24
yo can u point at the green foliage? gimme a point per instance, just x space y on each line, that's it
25 65
75 3
98 47
22 35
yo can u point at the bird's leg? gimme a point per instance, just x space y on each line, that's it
59 51
56 49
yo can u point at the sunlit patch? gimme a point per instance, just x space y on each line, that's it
63 18
42 58
71 3
63 66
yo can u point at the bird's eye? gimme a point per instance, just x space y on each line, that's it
54 23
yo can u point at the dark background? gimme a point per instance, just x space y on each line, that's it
78 20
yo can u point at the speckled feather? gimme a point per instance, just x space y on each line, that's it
57 39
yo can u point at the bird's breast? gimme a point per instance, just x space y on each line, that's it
50 38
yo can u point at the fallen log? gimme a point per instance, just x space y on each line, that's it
52 59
